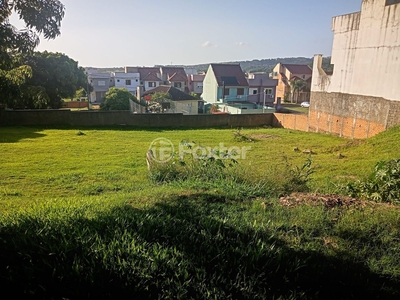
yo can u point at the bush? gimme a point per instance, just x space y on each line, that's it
117 99
383 185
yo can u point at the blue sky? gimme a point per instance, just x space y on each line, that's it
115 33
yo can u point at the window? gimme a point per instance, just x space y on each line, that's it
152 84
128 82
304 76
226 92
101 83
255 92
268 91
136 80
199 85
178 84
117 80
240 91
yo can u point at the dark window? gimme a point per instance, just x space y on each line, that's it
226 92
152 84
240 91
128 82
390 2
255 92
177 84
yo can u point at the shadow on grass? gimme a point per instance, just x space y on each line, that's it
16 134
180 249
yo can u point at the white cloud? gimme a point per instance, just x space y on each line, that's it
208 44
241 44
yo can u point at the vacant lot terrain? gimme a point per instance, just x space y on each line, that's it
82 218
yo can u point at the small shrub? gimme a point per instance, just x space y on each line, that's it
383 185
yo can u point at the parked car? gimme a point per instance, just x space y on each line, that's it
305 104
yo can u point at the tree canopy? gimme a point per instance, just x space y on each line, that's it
55 75
40 17
117 99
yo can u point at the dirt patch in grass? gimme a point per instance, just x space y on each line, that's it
350 144
328 200
263 136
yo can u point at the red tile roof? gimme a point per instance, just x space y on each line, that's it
177 77
151 77
149 73
298 69
174 73
232 75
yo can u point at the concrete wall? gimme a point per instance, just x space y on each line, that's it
328 120
362 96
90 118
366 52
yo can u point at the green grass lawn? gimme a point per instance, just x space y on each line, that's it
80 218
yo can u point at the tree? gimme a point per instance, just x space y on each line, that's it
161 97
40 17
163 100
297 85
117 99
55 75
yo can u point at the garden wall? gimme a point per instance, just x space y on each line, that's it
102 118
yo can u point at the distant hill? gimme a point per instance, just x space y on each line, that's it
256 65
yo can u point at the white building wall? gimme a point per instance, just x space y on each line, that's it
365 53
147 87
120 81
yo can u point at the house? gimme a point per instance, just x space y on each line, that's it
195 83
150 77
362 96
262 89
287 75
175 77
129 81
225 83
181 102
101 83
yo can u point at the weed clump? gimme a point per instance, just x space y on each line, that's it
223 174
383 185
